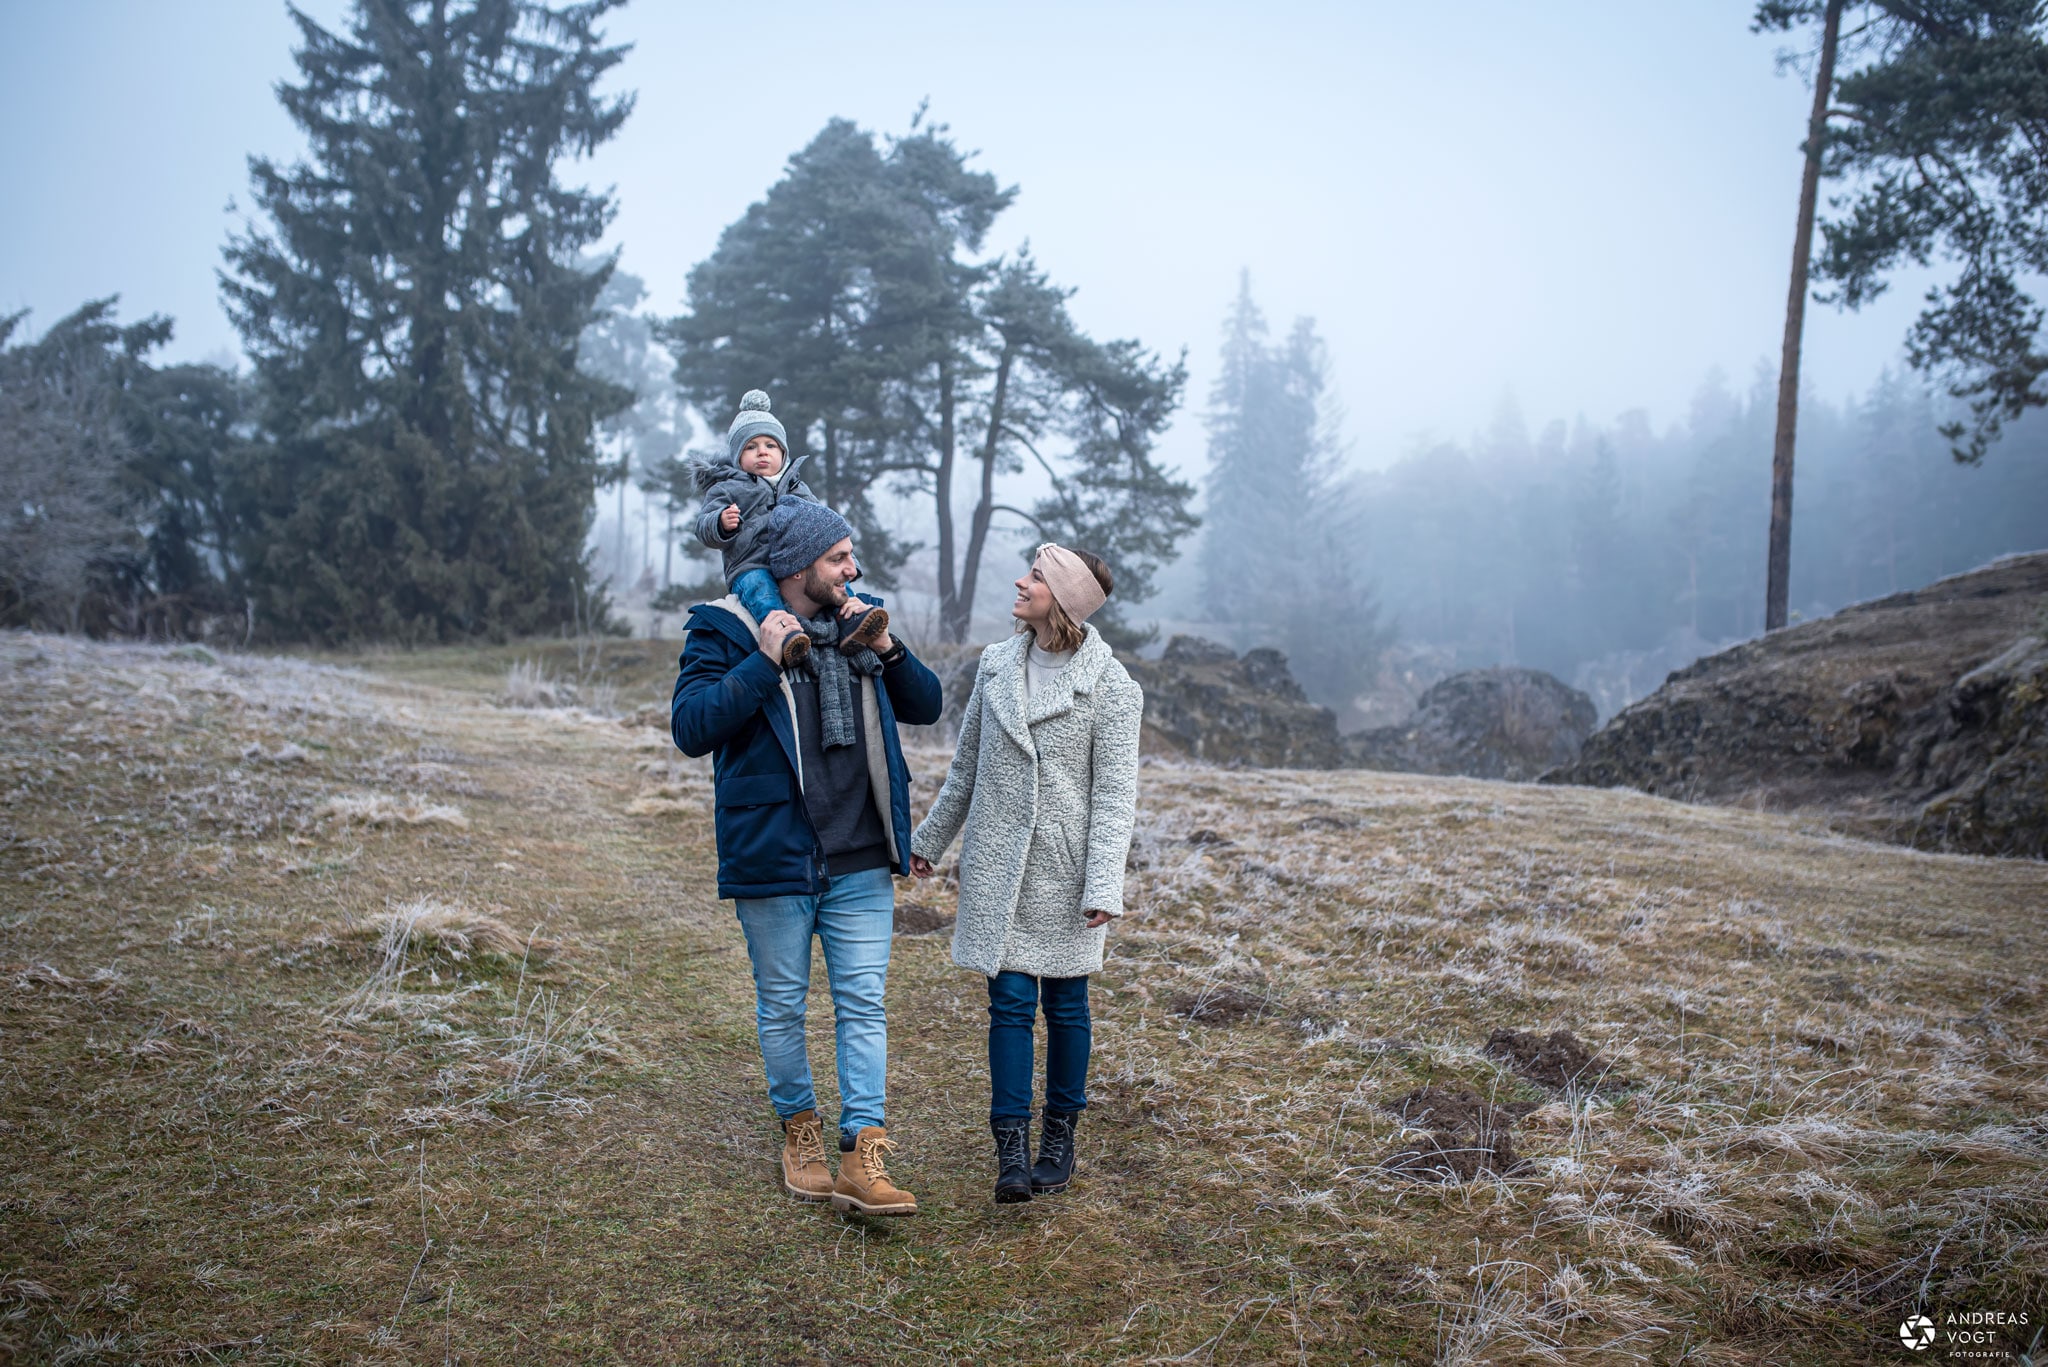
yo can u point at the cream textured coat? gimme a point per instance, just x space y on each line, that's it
1046 796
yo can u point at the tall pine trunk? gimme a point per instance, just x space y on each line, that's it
958 615
1779 566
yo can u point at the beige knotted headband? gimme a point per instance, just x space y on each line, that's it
1073 584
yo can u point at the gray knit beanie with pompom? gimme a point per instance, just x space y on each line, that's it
753 420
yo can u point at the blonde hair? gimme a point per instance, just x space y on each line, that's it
1068 634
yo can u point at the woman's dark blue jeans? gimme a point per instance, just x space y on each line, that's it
1013 999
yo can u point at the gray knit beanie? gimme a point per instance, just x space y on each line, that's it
753 420
799 531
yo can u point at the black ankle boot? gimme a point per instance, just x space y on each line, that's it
1013 1160
1055 1165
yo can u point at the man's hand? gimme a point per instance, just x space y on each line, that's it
779 627
729 520
853 607
1098 919
921 867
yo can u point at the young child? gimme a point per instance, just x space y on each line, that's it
740 493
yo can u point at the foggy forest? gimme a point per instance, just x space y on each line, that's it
1560 497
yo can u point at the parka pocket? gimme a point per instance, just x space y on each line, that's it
753 790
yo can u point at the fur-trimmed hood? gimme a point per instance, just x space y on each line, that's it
709 470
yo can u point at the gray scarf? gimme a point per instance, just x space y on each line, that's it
834 673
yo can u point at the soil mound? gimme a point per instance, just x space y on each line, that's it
1921 718
1485 723
1202 701
1463 1135
1557 1059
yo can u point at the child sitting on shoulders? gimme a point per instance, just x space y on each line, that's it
740 493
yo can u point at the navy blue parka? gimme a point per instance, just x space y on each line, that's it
732 703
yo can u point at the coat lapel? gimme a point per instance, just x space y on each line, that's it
782 720
1006 692
1077 678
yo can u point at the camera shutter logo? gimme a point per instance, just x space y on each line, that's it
1917 1332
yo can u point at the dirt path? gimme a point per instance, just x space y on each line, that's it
246 1119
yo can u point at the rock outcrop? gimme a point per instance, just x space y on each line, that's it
1203 701
1486 723
1921 717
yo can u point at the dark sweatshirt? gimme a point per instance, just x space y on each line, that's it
836 788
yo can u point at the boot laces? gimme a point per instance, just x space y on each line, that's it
1013 1147
871 1151
1056 1139
807 1138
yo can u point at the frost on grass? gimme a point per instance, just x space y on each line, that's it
1768 1085
672 784
529 684
441 968
412 942
379 809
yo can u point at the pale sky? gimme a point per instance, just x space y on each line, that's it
1586 205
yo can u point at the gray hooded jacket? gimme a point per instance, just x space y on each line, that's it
723 484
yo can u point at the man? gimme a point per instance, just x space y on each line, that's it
813 816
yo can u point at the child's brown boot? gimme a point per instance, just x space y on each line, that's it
796 649
860 633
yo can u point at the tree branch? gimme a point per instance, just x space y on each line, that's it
1058 484
1043 530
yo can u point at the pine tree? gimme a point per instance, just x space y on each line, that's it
413 308
1281 537
852 293
826 293
68 526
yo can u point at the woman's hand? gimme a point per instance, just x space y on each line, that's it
1098 919
921 867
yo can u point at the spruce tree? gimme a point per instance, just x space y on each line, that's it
1282 540
413 306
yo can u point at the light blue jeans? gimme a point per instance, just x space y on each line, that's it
759 594
854 920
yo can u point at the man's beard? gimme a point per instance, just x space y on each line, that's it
823 589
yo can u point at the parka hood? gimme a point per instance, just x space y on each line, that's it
709 471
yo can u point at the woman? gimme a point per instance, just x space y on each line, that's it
1045 786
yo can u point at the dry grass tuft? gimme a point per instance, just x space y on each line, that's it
35 976
424 927
379 809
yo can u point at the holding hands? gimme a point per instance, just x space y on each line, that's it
921 867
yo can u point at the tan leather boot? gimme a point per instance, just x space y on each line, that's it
804 1174
864 1187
